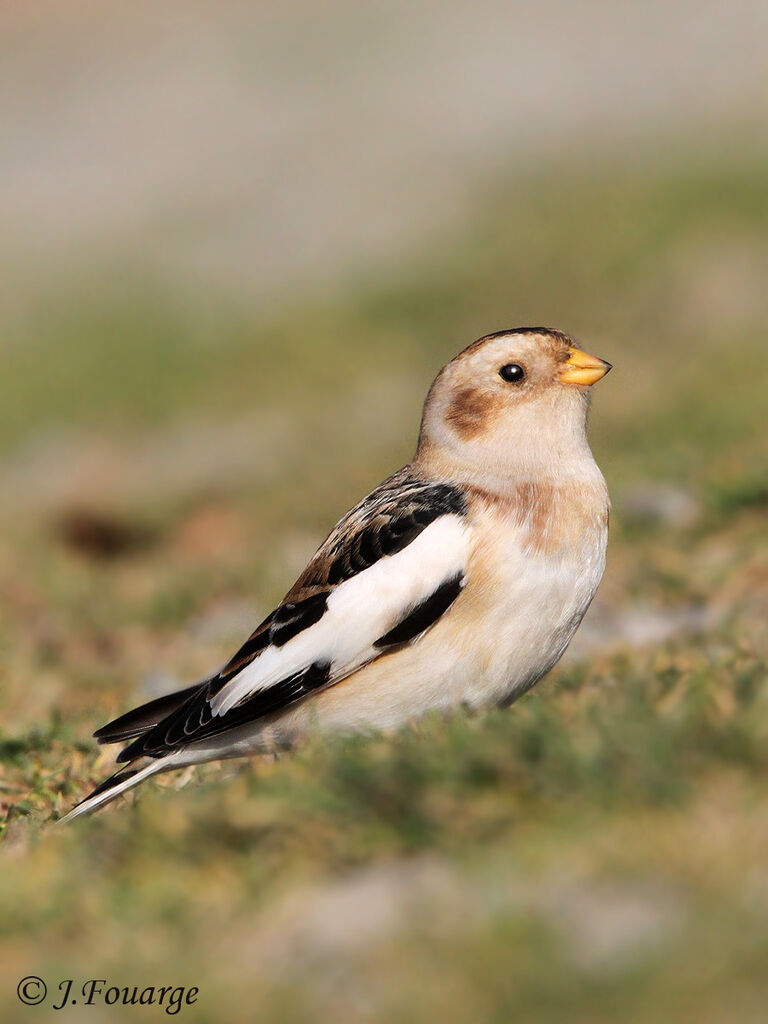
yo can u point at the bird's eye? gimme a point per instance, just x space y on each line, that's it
512 373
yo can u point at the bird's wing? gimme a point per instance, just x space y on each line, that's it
384 575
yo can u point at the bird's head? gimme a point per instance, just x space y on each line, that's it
513 399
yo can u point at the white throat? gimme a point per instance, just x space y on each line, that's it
541 440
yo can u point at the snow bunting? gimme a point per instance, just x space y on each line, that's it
459 581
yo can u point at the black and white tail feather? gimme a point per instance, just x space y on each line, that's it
388 571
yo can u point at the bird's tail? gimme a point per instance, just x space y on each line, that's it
126 778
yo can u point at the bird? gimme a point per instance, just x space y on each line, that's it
456 583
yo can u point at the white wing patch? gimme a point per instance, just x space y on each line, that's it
359 611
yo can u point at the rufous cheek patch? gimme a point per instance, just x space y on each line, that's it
471 411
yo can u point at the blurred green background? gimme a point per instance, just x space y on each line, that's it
236 245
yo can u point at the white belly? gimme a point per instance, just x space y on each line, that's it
527 633
501 635
507 628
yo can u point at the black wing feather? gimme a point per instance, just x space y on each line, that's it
424 615
141 719
195 720
385 522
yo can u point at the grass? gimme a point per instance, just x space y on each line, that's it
596 852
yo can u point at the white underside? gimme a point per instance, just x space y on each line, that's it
500 636
360 611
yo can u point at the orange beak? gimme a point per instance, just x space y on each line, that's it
583 369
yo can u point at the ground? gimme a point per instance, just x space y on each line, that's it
598 851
